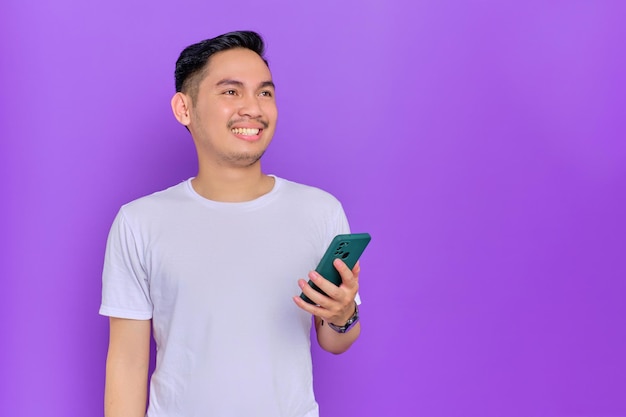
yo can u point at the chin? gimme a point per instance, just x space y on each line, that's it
244 159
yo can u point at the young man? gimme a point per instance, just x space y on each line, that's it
211 265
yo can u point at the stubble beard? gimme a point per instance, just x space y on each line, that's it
238 159
242 160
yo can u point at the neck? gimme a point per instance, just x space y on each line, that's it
232 185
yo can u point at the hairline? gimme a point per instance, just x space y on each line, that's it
191 85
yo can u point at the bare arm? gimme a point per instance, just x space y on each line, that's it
334 342
335 308
128 358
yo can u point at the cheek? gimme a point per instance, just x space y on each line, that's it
216 116
271 112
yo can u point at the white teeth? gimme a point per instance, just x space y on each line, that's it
246 131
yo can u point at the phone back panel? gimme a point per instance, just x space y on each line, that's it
348 248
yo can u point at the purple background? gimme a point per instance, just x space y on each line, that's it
480 143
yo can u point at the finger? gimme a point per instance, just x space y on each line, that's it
347 276
338 297
311 309
303 304
332 291
314 295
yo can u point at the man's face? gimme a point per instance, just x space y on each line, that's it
234 115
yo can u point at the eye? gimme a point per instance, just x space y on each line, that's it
266 94
230 92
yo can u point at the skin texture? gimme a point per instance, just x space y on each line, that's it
237 92
127 364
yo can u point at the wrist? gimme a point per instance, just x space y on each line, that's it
348 324
345 319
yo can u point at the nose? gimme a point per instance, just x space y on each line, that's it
250 106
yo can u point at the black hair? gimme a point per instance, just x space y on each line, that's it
193 59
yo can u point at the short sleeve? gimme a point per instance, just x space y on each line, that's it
125 283
341 222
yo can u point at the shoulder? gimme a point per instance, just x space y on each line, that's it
156 203
307 194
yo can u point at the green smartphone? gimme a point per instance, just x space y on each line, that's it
348 248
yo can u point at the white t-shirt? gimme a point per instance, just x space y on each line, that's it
217 281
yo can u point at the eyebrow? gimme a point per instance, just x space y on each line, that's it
228 81
265 84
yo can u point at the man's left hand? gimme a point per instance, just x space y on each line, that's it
337 306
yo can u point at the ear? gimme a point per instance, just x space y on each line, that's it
181 104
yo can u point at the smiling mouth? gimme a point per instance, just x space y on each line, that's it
245 131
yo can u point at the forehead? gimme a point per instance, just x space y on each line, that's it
239 64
